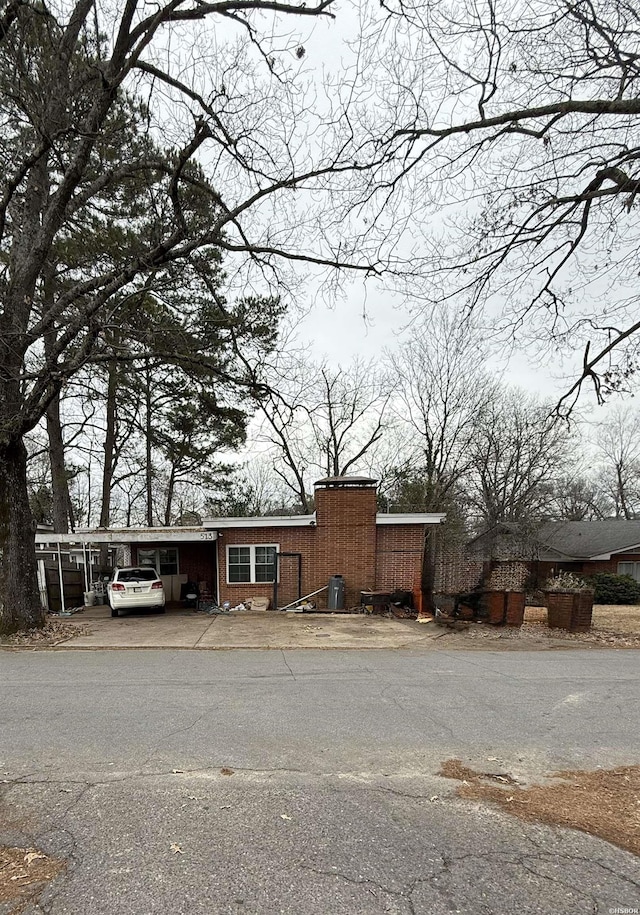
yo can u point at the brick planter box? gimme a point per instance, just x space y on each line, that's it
504 608
570 610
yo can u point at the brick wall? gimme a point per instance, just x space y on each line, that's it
456 571
289 540
603 565
346 538
399 552
344 541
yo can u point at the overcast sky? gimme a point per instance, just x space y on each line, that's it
364 325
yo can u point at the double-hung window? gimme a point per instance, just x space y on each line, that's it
164 561
251 564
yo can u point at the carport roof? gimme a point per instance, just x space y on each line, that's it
124 535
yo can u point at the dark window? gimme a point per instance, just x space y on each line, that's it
147 557
265 563
629 568
168 561
137 575
165 561
240 564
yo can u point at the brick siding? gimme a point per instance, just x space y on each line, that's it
289 540
399 552
346 537
344 541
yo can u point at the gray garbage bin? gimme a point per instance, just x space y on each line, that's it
335 598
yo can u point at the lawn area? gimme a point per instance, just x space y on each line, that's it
608 619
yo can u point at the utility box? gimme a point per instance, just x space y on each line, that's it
335 597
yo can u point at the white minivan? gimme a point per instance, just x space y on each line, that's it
135 589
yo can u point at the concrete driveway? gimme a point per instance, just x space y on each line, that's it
189 629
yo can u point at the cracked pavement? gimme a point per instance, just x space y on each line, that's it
333 804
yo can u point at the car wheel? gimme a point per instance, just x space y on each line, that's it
160 609
114 612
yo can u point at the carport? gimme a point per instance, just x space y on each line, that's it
179 555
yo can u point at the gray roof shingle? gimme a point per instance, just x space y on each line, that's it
585 539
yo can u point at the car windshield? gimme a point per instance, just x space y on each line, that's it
137 575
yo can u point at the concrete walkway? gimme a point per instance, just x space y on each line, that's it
188 629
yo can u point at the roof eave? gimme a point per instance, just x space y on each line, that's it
411 518
212 524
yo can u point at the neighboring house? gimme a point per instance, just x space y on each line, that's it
587 547
237 558
515 555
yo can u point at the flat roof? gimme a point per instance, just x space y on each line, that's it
309 520
263 521
411 518
127 535
209 527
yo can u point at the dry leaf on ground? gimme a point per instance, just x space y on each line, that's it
602 802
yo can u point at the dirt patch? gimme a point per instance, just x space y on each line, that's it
603 802
24 872
54 632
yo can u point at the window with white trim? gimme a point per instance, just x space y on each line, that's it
164 561
629 568
251 564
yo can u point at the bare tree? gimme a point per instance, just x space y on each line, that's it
283 415
517 125
577 497
252 489
443 394
618 449
519 452
324 421
234 150
349 415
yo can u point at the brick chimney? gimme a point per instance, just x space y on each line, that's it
346 532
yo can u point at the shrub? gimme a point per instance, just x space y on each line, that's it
566 581
615 589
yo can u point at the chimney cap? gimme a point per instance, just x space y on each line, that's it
337 482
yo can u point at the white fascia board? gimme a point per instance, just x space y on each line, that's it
127 535
602 556
634 548
213 524
411 518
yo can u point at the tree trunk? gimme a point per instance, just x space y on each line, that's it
20 605
61 498
170 491
109 446
148 453
59 480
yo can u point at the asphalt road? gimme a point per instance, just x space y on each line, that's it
306 782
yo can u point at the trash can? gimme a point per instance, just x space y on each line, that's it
335 598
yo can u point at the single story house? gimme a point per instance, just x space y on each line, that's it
587 547
281 557
517 555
